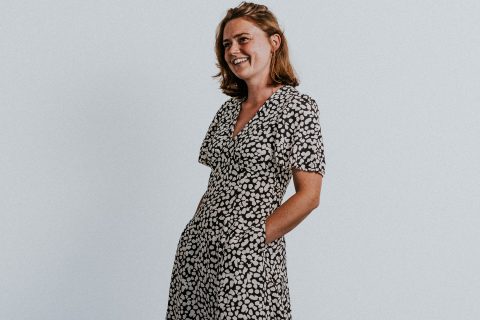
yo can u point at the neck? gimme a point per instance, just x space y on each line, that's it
259 94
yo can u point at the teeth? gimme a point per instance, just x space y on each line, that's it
237 61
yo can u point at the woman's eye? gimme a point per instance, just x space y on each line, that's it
241 40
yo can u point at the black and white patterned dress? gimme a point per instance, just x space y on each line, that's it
223 270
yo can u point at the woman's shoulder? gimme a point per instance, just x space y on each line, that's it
299 101
226 107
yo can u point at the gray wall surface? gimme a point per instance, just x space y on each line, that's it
104 104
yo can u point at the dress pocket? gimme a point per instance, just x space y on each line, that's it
263 231
243 258
248 237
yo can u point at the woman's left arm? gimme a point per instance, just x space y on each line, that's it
287 216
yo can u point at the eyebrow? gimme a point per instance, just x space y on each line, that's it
236 36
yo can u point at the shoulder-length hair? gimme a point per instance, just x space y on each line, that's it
281 70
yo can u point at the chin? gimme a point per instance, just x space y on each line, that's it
243 75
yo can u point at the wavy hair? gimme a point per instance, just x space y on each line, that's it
281 70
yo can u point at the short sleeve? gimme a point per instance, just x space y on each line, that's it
307 152
206 153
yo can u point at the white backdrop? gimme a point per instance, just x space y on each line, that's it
104 104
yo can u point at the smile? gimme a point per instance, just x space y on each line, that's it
239 61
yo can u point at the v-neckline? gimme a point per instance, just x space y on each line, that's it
256 115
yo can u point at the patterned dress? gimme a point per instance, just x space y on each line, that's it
223 269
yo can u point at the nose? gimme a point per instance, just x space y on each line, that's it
233 48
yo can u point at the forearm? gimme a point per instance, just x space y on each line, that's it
287 216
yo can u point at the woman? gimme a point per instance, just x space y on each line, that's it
230 261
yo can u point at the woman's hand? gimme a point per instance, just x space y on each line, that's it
286 217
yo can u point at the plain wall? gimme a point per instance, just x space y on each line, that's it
104 104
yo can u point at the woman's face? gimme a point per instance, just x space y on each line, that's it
243 39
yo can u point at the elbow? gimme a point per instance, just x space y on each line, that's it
315 202
311 200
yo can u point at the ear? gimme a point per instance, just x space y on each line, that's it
275 41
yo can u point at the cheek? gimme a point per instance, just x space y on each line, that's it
260 54
230 66
260 59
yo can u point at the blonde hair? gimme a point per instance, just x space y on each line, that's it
281 70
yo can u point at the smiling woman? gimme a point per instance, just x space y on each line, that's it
251 31
230 261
